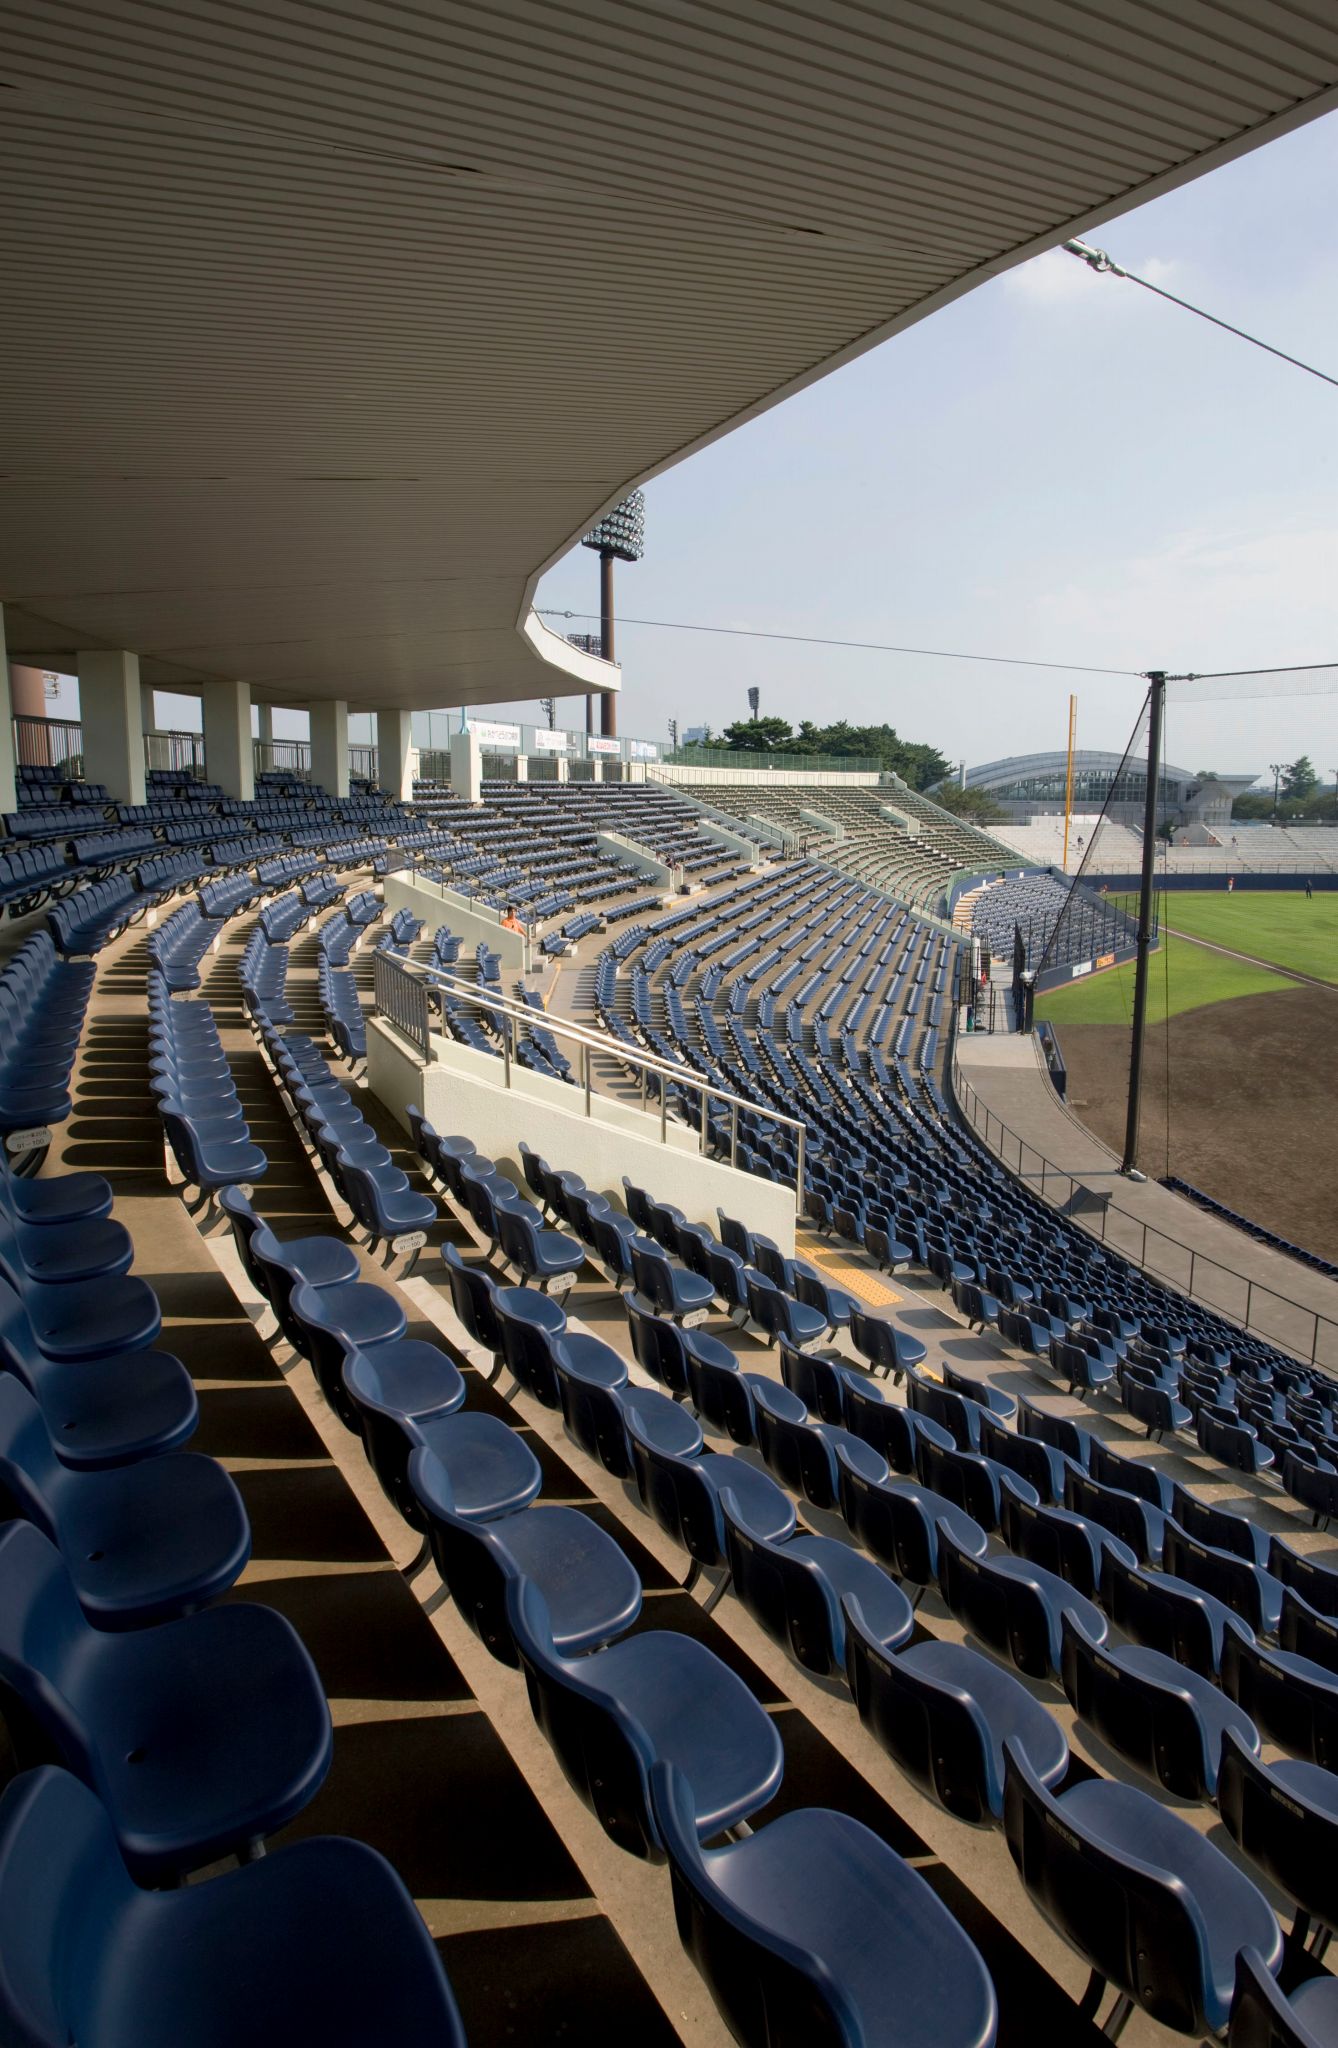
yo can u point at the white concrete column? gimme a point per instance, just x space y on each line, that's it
522 767
148 711
466 767
113 721
329 745
562 774
228 757
265 723
394 745
596 768
8 798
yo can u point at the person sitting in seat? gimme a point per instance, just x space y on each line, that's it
510 922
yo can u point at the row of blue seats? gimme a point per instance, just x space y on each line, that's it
263 970
549 1592
203 1122
179 944
42 1004
945 1713
185 1731
341 933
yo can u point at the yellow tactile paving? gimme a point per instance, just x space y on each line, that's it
856 1280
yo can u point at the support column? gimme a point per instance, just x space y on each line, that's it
466 767
394 746
8 797
329 745
113 721
265 723
148 710
608 703
229 759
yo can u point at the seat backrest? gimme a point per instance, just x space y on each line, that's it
1238 1584
1261 2015
1124 1514
1316 1583
768 1988
1133 1923
31 1475
1131 1475
787 1594
42 1633
1292 1839
63 1889
473 1295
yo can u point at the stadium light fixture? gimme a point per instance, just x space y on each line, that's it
620 536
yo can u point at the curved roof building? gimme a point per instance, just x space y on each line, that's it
1030 785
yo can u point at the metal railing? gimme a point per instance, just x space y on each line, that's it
780 763
403 1001
512 1018
49 743
1258 1309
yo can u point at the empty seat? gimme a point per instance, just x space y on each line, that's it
793 1588
1284 1817
1013 1606
1151 1906
813 1930
320 1941
1291 1700
943 1714
653 1698
1262 2016
1170 1615
1156 1713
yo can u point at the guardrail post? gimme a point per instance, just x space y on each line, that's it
506 1050
734 1135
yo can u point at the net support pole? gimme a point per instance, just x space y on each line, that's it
1068 781
1156 700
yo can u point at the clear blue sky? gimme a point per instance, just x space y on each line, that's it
1060 465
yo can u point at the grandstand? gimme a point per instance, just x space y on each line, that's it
556 1490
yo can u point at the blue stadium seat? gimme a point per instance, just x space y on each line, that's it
793 1588
813 1930
320 1941
201 1736
1014 1607
1156 1713
1284 1817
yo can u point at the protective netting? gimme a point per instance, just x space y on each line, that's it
1316 679
1090 926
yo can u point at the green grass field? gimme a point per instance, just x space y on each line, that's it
1272 925
1196 978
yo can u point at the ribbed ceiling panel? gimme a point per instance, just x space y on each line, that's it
330 325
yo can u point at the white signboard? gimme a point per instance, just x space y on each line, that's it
546 742
598 746
490 735
642 750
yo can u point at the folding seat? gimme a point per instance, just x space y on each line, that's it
1255 1595
64 1198
1140 1527
56 1253
1235 1445
209 1162
612 1716
1284 1818
78 1319
659 1345
1156 1409
1039 1464
527 1324
736 1238
812 1929
1315 1485
612 1240
670 1289
142 1542
202 1735
722 1394
1170 1615
884 1347
1315 1582
545 1256
1003 1407
135 1404
951 1410
1220 1528
324 1323
1149 1904
1130 1475
888 1251
1085 1374
1290 1699
975 1303
793 1589
1161 1717
800 1453
942 1713
820 1382
729 1281
1303 1629
334 1947
315 1261
1069 1545
592 1592
596 1399
975 1483
398 1216
695 1245
1013 1606
833 1304
897 1520
1058 1431
1263 2016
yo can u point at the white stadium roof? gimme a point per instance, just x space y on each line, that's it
329 327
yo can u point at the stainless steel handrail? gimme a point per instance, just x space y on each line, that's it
590 1041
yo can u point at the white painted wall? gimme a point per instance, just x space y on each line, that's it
616 847
462 1092
470 920
764 778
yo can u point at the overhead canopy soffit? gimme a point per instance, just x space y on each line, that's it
331 326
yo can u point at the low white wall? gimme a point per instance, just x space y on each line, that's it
462 1092
616 847
745 848
823 824
469 920
907 823
765 778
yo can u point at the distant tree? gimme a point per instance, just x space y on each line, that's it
761 735
1253 804
917 764
1300 780
977 806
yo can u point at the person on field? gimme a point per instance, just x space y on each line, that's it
1309 892
1231 885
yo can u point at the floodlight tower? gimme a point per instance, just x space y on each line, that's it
620 536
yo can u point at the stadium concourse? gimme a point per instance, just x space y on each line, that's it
965 1576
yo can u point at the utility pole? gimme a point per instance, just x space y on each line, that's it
1156 704
1276 769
